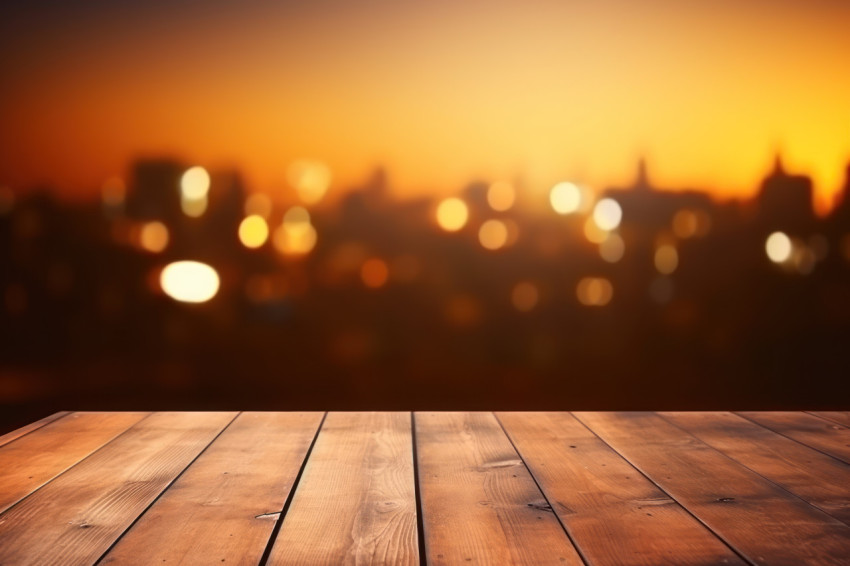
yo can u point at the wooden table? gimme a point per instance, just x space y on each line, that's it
437 488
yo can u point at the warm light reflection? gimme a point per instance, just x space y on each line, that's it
593 233
666 259
493 234
525 296
189 281
452 214
194 187
193 208
594 291
374 273
195 183
802 257
513 231
253 231
607 214
778 247
501 196
296 219
153 236
294 241
259 204
311 179
688 223
612 248
565 198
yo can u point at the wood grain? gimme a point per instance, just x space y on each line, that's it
35 459
26 429
355 502
480 505
840 417
821 480
762 521
225 505
601 498
627 488
76 517
827 436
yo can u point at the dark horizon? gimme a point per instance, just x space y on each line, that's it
686 304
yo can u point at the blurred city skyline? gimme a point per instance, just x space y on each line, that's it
438 93
181 288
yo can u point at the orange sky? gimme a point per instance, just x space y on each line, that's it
439 91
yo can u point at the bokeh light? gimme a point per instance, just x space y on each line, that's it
259 204
493 234
296 219
193 208
189 281
294 241
311 179
594 291
452 214
374 273
525 296
690 223
513 231
778 247
195 183
607 214
802 257
253 231
593 233
565 198
501 196
666 259
612 248
153 236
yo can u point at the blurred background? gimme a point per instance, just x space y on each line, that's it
408 205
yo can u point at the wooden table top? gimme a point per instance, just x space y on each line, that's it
437 488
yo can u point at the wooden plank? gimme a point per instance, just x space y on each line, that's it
601 498
840 417
224 507
19 432
35 459
827 436
76 517
479 503
821 480
355 502
763 522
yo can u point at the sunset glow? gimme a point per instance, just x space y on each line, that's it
438 92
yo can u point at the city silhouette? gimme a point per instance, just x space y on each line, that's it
496 298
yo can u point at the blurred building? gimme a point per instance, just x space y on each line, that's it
785 201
